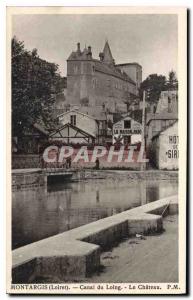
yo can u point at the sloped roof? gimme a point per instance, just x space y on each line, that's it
129 64
160 132
112 70
76 111
96 112
82 55
108 58
127 115
73 127
106 66
161 116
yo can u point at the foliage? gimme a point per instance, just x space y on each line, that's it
172 83
154 84
35 84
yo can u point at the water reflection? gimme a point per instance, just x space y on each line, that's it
39 213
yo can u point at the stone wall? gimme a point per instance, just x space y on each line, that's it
28 178
73 256
26 161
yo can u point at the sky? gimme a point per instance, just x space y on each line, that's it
150 40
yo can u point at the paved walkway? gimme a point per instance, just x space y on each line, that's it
153 259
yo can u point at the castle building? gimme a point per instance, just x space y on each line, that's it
100 82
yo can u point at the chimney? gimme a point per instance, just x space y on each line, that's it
89 52
78 47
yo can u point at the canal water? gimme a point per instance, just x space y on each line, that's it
38 213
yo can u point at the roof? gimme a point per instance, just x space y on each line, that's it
161 116
96 112
106 66
129 64
108 58
160 132
128 115
72 126
76 111
112 70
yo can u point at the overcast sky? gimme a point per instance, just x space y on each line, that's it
150 40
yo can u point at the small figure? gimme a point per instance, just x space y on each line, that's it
97 164
68 162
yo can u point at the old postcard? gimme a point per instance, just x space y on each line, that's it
97 140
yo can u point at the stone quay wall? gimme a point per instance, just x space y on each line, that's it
23 178
75 254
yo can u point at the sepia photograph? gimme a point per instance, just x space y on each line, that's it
96 170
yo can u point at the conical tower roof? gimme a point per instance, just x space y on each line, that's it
108 58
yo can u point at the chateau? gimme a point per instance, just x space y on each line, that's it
100 82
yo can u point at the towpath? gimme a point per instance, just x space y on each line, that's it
152 259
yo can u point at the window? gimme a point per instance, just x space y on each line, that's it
73 120
127 124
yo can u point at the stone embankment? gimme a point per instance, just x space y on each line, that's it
75 254
25 178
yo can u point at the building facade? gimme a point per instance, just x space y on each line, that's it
71 134
127 131
164 148
133 70
99 82
82 121
157 123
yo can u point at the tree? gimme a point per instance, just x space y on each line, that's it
153 84
130 100
35 84
172 83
